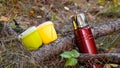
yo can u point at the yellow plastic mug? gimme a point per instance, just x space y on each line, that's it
31 38
47 32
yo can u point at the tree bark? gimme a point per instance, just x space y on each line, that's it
105 29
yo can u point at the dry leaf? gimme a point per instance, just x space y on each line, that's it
107 66
17 6
32 12
95 8
3 18
66 8
110 65
35 1
39 17
114 65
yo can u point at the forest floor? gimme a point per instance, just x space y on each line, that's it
34 12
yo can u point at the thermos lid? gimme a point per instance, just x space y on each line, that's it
27 32
81 20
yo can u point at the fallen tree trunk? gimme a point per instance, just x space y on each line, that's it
100 58
66 43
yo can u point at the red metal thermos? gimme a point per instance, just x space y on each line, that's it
84 38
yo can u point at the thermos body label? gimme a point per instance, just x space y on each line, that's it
87 41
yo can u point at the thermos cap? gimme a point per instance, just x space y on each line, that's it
81 20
